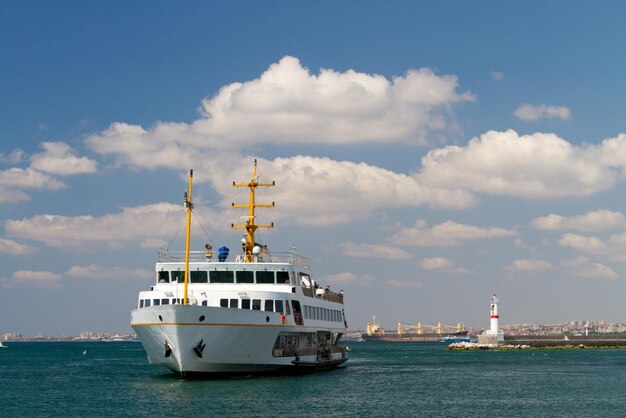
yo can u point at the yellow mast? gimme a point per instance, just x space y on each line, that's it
250 225
189 205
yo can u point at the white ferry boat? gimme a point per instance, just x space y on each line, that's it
260 312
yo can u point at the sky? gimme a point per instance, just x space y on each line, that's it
426 154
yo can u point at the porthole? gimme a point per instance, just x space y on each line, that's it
160 318
201 319
267 319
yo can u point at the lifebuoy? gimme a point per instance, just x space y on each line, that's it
283 319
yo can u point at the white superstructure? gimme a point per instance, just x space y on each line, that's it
254 312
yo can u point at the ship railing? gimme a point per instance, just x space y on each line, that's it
208 256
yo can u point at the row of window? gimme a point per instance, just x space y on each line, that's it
154 302
228 276
268 305
322 314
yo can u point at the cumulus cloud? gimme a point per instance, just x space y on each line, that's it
44 279
321 191
94 271
352 249
442 264
14 180
531 166
435 263
596 271
614 247
525 265
15 248
446 234
13 158
591 221
59 159
288 104
528 112
583 243
131 224
348 278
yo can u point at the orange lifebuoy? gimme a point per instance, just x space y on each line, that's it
283 319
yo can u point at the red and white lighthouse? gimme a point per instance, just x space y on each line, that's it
494 315
494 334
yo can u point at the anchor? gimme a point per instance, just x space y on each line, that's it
199 348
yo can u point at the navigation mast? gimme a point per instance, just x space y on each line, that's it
189 205
250 225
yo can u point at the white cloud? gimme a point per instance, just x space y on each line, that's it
320 191
13 158
288 104
575 262
94 271
15 248
401 284
531 166
14 180
583 243
435 263
497 75
352 249
525 265
37 278
347 278
591 221
528 112
446 234
58 158
596 271
131 224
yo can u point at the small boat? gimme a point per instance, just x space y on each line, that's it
2 345
457 337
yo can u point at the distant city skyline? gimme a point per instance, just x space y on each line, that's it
426 154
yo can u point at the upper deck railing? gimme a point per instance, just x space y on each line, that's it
205 256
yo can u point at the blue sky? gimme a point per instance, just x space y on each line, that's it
427 154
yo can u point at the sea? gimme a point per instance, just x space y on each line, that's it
114 379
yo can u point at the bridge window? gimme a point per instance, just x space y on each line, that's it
141 303
164 276
147 303
221 276
256 304
165 301
224 303
234 303
279 306
245 277
287 309
199 276
245 303
156 302
282 277
269 305
265 277
178 276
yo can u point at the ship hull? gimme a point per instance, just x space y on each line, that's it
201 341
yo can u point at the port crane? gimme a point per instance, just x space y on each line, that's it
439 328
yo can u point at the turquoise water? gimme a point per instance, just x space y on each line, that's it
381 379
